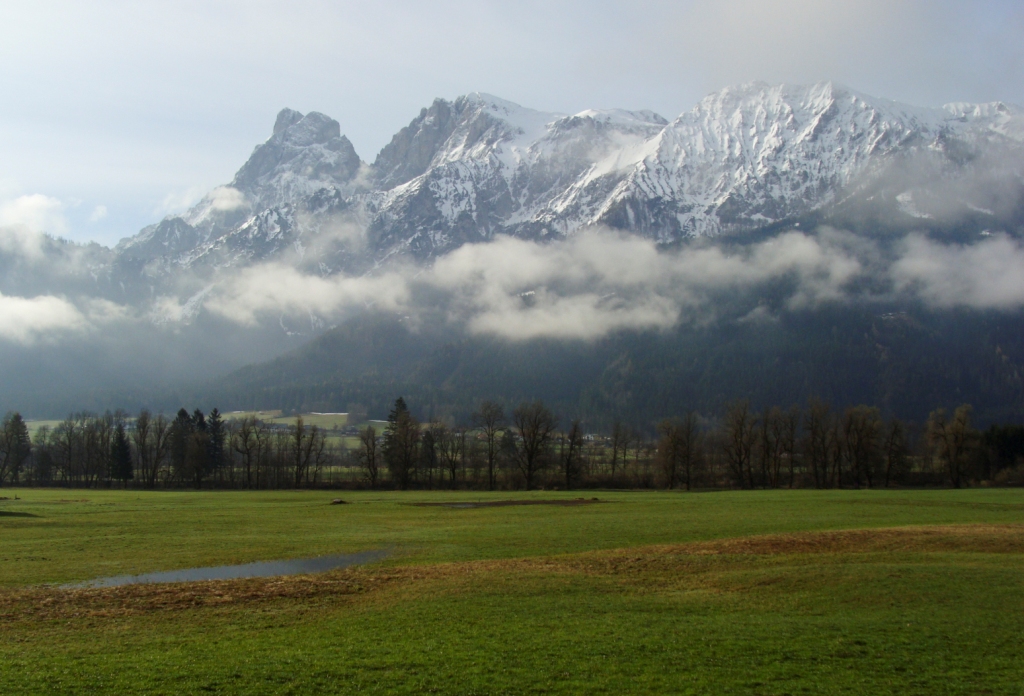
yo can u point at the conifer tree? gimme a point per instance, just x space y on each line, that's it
121 456
15 446
215 427
401 444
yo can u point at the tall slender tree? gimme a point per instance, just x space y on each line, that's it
572 454
490 418
15 446
368 455
215 428
401 444
121 468
739 439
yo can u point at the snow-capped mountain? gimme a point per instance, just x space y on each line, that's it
462 171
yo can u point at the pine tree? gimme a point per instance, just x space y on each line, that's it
198 446
15 446
181 433
215 427
121 456
401 444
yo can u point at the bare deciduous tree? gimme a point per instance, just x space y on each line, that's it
572 453
449 443
490 419
739 435
534 425
952 440
618 442
822 444
368 455
896 450
248 440
861 432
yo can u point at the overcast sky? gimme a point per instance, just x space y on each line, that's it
116 113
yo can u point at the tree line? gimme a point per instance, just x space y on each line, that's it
814 446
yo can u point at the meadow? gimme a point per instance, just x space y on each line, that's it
756 592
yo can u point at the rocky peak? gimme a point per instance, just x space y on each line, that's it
412 149
286 118
304 154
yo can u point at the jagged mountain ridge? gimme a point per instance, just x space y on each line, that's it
466 170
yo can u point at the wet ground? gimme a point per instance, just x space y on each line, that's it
260 569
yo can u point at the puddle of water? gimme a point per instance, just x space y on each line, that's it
260 569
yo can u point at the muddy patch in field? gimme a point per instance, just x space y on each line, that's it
566 502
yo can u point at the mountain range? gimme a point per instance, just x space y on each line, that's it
744 166
470 169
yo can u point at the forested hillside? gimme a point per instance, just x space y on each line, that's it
905 362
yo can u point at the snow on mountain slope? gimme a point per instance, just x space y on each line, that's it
466 170
743 158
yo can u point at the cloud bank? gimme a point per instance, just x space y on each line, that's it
581 288
986 275
599 281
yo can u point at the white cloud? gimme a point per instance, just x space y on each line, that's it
584 287
986 275
34 212
27 320
583 316
598 281
98 213
24 220
273 289
226 198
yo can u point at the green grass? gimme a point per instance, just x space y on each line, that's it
530 599
328 421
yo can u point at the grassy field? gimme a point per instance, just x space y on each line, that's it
918 592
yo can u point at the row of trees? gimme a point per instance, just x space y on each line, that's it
771 448
816 447
86 450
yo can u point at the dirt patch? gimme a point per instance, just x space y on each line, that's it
566 502
50 603
1007 538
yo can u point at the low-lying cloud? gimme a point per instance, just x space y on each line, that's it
601 281
581 288
274 289
225 198
986 275
25 320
